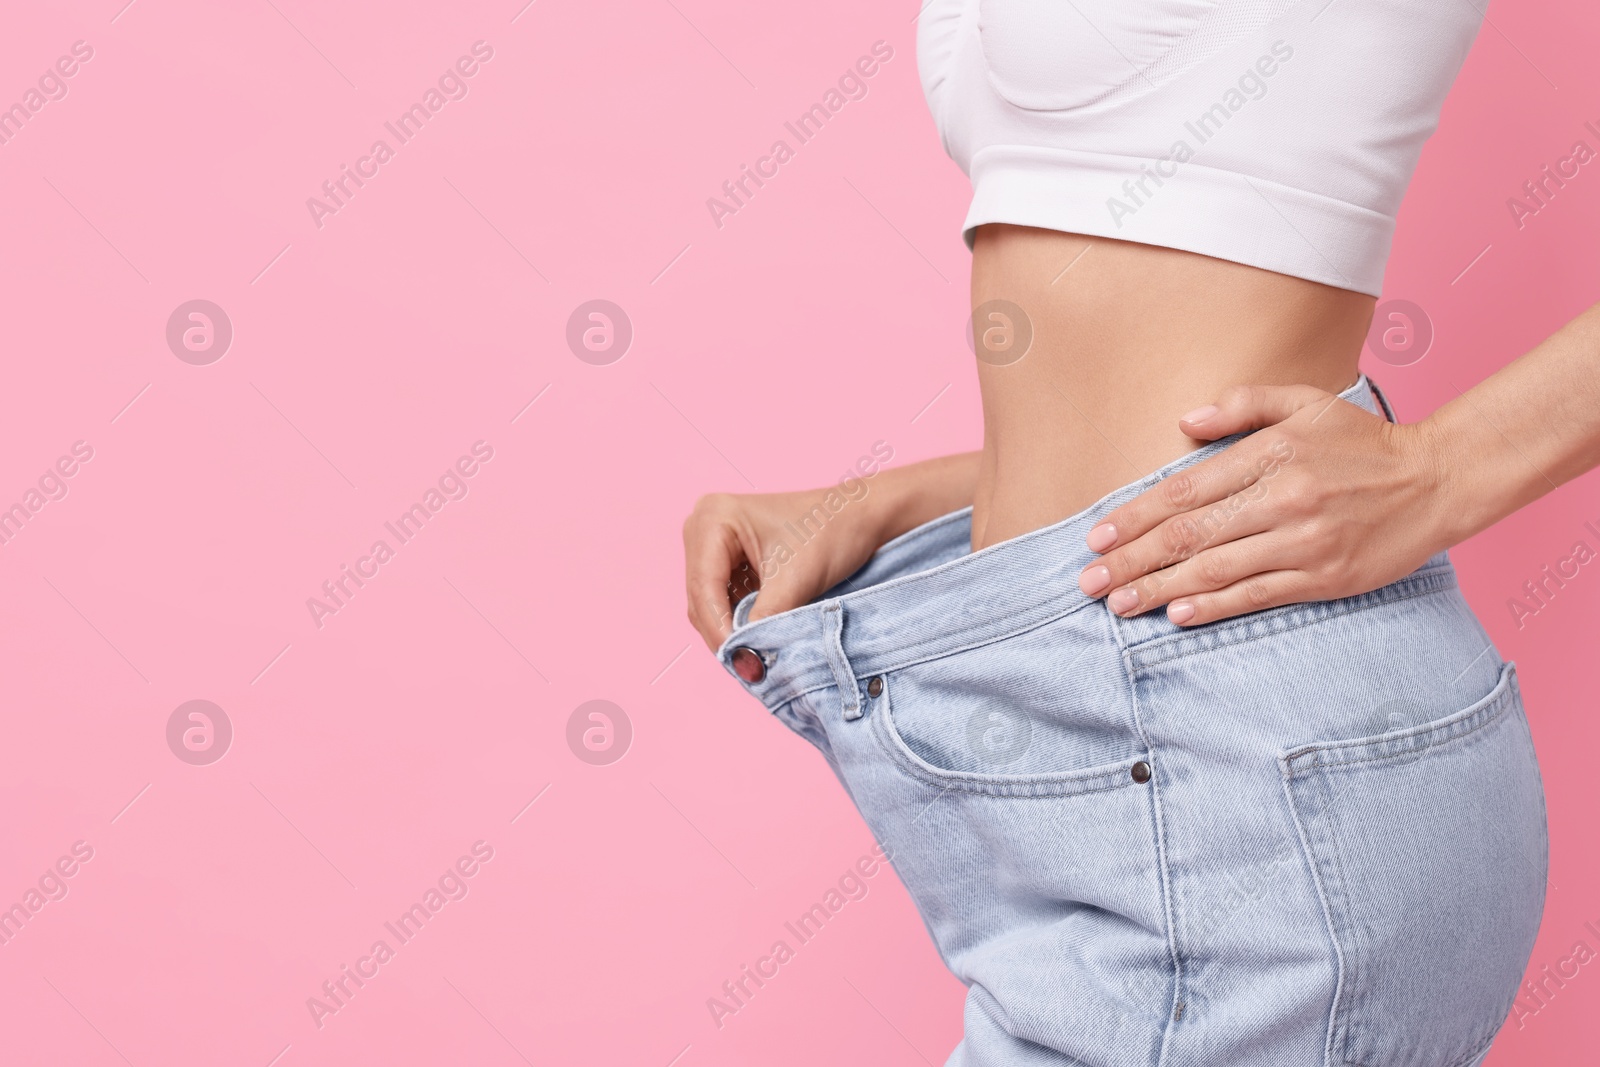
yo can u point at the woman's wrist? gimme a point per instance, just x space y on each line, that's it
1526 429
904 498
1474 475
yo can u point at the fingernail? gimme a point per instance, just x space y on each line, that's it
1123 600
1094 579
1101 537
1200 414
1180 612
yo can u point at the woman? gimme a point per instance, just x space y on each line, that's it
1189 753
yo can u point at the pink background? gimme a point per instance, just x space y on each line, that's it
369 754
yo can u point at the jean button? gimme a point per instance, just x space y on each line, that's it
1140 772
748 664
875 687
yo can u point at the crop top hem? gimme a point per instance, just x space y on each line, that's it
1195 208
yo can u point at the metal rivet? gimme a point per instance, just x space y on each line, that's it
1140 772
748 664
875 687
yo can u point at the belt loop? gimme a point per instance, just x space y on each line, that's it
1382 400
843 676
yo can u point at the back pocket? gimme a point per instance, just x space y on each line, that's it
1429 849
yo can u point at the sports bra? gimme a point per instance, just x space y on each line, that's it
1275 133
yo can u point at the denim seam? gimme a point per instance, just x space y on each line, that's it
1158 831
1159 650
1544 817
787 718
1470 720
1308 857
1351 996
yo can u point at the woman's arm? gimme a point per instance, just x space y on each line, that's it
1524 430
795 546
1329 501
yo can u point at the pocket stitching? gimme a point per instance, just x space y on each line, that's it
1487 710
1272 622
1099 779
1346 1002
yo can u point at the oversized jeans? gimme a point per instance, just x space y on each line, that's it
1313 835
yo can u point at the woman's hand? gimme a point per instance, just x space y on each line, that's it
793 547
1325 501
736 544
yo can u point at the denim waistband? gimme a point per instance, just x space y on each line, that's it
925 595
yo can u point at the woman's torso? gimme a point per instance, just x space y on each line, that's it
1125 338
1236 167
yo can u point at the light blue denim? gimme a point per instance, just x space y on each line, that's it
1338 856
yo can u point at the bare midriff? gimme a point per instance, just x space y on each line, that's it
1126 338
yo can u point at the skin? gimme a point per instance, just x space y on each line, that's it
1323 501
1125 338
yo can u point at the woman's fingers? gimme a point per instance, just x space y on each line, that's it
777 596
1271 589
1241 408
726 558
1250 407
1216 500
1188 543
1204 483
1207 571
1319 487
712 558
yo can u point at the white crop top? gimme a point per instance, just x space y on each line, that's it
1268 132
